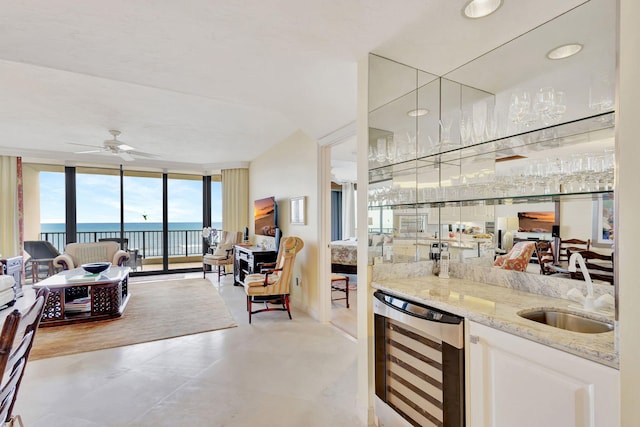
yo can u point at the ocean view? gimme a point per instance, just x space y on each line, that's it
185 238
133 226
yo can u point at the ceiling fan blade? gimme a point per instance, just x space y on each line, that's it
143 154
125 156
88 151
125 147
84 145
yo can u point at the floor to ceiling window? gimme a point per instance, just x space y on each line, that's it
184 218
97 204
160 222
143 219
47 222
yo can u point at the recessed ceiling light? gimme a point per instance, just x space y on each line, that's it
564 51
480 8
418 112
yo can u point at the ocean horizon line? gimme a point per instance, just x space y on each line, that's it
131 226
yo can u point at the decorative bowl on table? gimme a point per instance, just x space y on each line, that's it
96 267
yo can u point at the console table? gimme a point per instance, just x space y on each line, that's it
246 260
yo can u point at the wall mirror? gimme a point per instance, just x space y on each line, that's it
508 135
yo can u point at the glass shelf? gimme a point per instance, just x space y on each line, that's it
564 135
493 201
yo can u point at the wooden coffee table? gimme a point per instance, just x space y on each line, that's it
86 297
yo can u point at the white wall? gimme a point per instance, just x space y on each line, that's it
627 206
290 169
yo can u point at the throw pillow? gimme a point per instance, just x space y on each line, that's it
221 250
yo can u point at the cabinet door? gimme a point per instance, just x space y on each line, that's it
517 382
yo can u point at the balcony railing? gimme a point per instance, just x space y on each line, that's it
149 243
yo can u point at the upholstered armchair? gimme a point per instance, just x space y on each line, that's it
76 254
272 286
517 258
223 255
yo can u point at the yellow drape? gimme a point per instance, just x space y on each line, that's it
9 207
235 199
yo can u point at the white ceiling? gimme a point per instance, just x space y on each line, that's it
209 84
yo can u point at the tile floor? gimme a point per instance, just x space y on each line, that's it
274 372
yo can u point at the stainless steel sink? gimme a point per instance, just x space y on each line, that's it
565 320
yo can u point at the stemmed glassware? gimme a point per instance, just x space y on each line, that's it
381 154
479 121
519 106
491 129
466 124
445 131
391 149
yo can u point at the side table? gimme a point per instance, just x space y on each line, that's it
35 268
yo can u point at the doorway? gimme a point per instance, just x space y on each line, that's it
344 279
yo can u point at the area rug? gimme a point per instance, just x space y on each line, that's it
156 310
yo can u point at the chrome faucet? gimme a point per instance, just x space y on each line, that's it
588 302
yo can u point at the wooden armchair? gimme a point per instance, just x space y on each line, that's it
223 255
272 286
16 341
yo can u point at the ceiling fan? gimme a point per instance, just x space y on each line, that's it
115 147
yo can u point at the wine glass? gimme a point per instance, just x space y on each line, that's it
519 106
544 100
491 129
559 106
601 95
391 148
381 153
445 129
466 123
479 121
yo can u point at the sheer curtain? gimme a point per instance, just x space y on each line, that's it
348 210
11 210
235 199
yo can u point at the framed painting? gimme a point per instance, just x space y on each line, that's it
603 220
298 210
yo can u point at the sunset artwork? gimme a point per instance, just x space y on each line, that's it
536 222
264 213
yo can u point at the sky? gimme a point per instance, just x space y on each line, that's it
98 199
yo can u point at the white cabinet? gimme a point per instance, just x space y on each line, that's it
517 382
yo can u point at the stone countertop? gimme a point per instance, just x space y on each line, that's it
497 307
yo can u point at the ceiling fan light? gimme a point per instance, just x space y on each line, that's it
125 147
475 9
417 112
564 51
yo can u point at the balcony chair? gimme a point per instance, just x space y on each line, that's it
41 255
517 258
272 286
76 254
223 254
18 331
135 257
